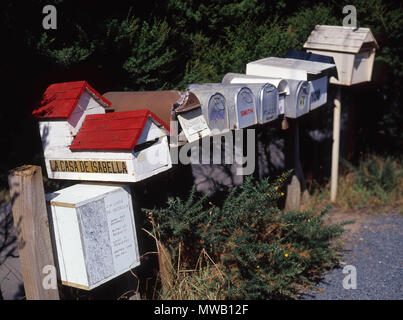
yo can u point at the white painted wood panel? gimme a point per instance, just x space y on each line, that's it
69 248
95 233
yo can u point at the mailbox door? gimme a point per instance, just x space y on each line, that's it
269 103
318 89
245 108
303 100
217 113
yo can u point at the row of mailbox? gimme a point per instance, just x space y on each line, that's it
93 223
244 100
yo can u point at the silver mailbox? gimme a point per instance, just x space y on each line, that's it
214 108
294 95
298 102
267 100
316 73
238 100
270 96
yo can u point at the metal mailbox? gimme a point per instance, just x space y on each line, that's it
298 102
268 98
294 95
352 49
167 105
226 107
214 108
316 73
191 118
94 231
266 94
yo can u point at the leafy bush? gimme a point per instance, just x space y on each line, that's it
263 252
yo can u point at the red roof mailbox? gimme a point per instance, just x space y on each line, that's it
82 142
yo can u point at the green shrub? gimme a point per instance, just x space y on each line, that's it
263 252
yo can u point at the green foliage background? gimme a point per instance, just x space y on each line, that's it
154 45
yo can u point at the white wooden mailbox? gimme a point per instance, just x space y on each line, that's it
240 103
118 147
352 49
294 95
286 68
95 233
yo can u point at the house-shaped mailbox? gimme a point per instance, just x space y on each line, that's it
168 105
294 95
82 142
352 49
94 232
316 73
226 106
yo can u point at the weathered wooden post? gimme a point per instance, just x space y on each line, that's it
297 192
335 145
32 228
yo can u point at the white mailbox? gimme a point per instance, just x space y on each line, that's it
294 95
286 68
95 233
240 103
82 142
352 49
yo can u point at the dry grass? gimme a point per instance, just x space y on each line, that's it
376 185
179 282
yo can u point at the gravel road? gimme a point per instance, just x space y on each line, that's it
376 251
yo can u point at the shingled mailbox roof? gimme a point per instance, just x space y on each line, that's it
60 99
341 39
116 131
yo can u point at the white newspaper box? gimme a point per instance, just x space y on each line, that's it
316 73
95 234
294 95
240 102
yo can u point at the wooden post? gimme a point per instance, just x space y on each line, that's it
298 184
32 228
336 145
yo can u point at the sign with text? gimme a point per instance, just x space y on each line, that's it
88 166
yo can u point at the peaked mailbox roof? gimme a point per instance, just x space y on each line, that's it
60 99
113 131
338 38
